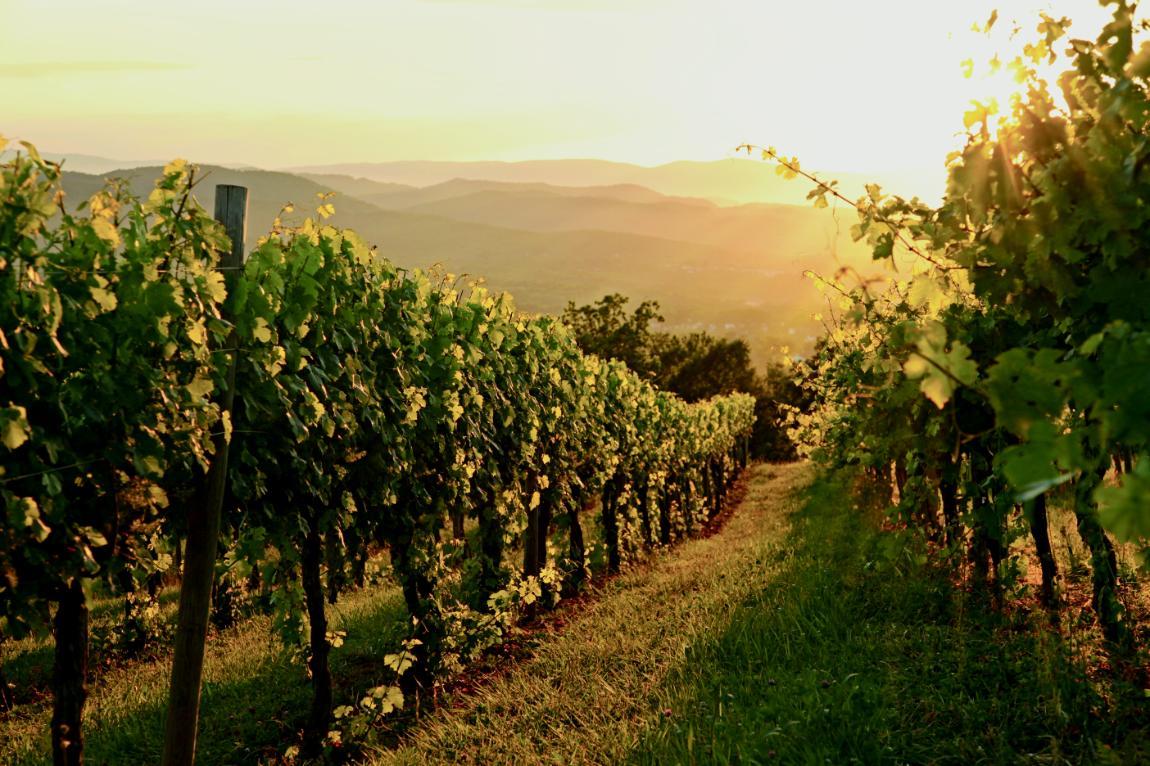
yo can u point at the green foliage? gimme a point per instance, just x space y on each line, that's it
1024 319
105 371
607 331
696 366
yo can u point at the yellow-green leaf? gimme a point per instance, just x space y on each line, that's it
261 331
14 431
104 298
216 286
197 333
200 387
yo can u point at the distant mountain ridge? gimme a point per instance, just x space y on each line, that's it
96 165
728 181
83 163
729 270
395 196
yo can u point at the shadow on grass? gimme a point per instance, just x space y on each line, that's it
253 713
858 652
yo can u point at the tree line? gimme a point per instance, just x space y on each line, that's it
696 366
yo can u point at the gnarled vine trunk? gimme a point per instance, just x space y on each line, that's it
1103 562
6 701
1036 517
490 576
948 491
319 716
611 524
418 589
577 550
665 517
643 494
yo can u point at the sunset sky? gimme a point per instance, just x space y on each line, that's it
846 85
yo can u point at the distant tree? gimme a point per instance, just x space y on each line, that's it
695 366
605 329
699 366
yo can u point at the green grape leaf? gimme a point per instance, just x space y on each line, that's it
1026 387
1123 507
939 368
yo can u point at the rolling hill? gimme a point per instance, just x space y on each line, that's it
751 229
729 270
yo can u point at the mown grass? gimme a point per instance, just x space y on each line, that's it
588 692
254 697
856 651
800 633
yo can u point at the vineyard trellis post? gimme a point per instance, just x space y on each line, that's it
204 528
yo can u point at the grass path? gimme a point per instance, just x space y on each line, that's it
800 633
590 692
860 650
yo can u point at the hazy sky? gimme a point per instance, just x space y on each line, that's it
846 85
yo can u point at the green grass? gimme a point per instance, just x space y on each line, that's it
800 633
254 699
589 691
857 652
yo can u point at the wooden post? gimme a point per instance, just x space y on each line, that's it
203 531
69 676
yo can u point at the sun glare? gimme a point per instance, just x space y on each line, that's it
865 89
1006 55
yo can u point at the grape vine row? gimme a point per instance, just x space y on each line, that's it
1006 360
378 413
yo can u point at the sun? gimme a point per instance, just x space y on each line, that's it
1005 57
998 68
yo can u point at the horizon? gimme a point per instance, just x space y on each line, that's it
906 183
725 190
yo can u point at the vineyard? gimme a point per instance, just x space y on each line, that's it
205 441
276 427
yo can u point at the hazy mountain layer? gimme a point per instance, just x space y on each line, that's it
730 181
728 270
401 196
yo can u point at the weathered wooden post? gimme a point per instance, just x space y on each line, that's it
204 528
